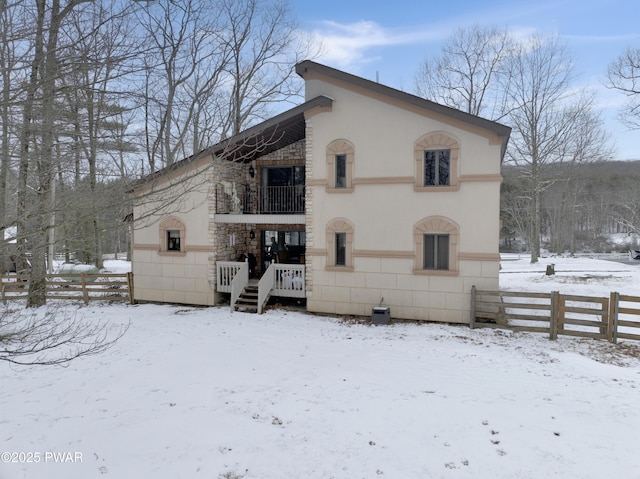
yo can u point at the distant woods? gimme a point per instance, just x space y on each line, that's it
580 210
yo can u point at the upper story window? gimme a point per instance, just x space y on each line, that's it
340 158
173 240
436 155
437 167
172 236
341 171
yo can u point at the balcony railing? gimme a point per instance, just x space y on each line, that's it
260 200
286 280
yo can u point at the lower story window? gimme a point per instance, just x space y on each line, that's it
341 249
173 240
436 251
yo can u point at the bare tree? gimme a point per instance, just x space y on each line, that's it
52 336
182 66
548 119
10 57
469 72
264 46
98 60
624 75
37 141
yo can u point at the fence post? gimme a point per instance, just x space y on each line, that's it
553 319
472 320
614 307
85 293
130 287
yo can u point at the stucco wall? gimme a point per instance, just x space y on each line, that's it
384 206
173 277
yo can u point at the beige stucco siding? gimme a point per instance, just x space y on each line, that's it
384 207
166 276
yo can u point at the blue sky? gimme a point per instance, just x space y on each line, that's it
390 39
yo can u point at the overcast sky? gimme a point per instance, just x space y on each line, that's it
391 38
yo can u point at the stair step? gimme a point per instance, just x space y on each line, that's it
248 300
245 301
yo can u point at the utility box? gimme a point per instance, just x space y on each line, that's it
380 315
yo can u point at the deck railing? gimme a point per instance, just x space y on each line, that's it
260 200
238 283
289 280
265 286
226 271
280 279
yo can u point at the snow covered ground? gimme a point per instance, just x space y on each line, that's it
191 392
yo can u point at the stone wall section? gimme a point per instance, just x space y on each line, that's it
229 241
219 237
308 207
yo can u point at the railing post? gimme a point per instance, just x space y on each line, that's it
472 319
554 315
238 283
614 309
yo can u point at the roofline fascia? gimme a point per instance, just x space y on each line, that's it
502 131
320 101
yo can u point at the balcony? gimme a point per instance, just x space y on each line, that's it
271 200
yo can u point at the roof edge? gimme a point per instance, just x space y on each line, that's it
320 101
502 131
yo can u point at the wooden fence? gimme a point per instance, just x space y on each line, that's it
83 286
612 318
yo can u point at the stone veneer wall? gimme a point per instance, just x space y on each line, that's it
229 171
220 233
293 154
308 208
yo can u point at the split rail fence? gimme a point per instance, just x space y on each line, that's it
611 318
83 286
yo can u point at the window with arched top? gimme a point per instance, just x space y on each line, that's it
340 245
340 156
172 236
436 156
436 246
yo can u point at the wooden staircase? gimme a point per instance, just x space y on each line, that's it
248 299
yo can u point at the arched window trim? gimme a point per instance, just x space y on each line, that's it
436 225
437 140
339 225
340 147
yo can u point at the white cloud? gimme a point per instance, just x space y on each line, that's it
344 45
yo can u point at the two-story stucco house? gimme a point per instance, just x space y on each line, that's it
361 195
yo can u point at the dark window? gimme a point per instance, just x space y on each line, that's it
436 252
173 240
341 249
341 171
436 167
